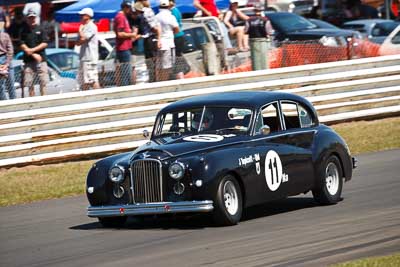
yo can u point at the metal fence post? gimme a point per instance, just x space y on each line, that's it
211 59
259 53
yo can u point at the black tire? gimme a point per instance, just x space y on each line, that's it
225 214
329 183
113 222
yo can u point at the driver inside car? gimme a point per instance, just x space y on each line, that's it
208 119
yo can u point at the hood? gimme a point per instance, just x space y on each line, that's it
163 148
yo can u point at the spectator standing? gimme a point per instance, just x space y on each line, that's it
179 40
4 19
235 20
124 36
258 26
6 54
34 42
150 32
395 8
89 52
169 26
209 8
18 25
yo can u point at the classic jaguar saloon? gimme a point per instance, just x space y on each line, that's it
219 154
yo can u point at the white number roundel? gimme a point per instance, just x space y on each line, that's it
208 138
273 170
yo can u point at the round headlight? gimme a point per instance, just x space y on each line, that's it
176 170
117 174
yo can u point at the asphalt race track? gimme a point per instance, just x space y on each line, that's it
291 232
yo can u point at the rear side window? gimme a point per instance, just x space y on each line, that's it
296 116
290 115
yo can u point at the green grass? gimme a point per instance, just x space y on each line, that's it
371 136
385 261
33 183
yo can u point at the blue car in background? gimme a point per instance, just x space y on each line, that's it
64 61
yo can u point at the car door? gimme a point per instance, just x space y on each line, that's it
285 163
300 130
272 156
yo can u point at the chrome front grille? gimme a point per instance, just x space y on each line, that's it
147 181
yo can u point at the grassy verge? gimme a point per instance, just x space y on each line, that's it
385 261
32 183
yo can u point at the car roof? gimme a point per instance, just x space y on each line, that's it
248 99
367 21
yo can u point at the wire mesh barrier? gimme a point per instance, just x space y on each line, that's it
199 63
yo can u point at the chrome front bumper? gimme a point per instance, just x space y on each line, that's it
150 208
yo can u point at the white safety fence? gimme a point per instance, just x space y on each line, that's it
95 123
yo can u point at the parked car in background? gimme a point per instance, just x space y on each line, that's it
56 84
326 25
323 24
219 154
292 27
391 45
300 7
64 61
375 30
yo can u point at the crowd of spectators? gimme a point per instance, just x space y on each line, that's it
162 36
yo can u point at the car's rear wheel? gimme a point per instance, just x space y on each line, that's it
228 202
113 222
329 182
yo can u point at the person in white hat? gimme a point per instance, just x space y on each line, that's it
169 26
89 51
235 20
33 42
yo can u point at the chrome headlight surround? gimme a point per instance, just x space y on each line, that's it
176 170
116 174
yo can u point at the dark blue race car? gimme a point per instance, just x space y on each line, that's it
219 154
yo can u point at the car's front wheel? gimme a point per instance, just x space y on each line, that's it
112 222
228 202
329 182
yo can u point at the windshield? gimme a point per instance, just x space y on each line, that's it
288 22
219 120
65 61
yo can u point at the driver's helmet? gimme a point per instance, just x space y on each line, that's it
207 120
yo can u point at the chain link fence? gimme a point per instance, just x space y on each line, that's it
196 64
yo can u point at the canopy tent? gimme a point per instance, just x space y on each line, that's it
109 8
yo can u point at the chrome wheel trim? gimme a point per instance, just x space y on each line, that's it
332 178
231 199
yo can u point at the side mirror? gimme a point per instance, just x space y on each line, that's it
265 130
146 134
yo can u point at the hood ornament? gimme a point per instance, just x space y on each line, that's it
145 155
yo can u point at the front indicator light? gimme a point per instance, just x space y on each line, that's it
118 191
179 188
